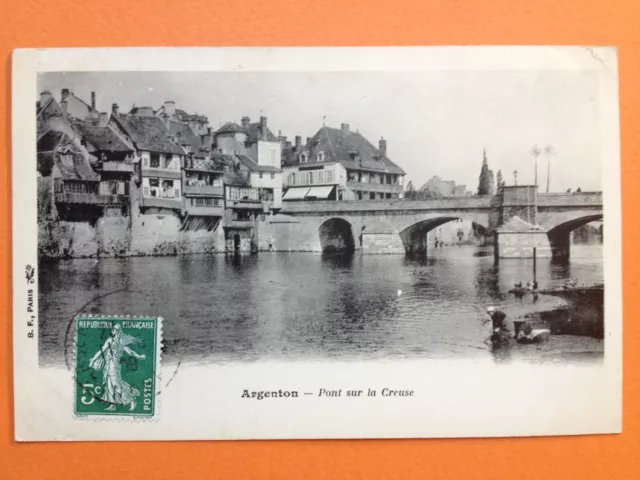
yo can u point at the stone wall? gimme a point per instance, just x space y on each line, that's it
382 243
521 244
67 239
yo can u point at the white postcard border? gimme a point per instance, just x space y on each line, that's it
452 398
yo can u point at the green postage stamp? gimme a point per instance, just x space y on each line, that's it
117 362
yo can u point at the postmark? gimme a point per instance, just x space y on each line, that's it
116 366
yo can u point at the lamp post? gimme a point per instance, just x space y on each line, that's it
535 151
549 150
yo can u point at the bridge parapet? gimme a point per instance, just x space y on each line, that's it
441 203
582 199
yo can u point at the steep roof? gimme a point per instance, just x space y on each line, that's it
149 133
185 117
233 179
341 146
81 169
254 167
51 107
102 138
183 135
231 127
254 134
49 140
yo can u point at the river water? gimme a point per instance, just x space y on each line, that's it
304 306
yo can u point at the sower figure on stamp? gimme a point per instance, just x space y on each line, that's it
107 359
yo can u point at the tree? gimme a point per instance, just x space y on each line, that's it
499 181
485 182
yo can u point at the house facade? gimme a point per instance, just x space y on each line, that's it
338 164
159 161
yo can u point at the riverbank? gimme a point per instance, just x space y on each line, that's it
577 328
583 314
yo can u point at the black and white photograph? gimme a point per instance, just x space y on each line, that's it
345 218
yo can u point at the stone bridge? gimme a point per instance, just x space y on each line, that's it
399 226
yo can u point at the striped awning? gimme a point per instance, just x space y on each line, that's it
321 193
296 193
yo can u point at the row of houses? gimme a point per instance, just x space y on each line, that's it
167 162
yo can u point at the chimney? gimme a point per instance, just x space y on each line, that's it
103 119
170 108
245 122
44 97
63 106
382 146
298 142
263 127
93 100
64 93
115 109
344 127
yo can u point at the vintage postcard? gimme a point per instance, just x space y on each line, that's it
281 243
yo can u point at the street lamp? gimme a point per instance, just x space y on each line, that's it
549 150
535 151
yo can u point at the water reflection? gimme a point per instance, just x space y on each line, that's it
306 306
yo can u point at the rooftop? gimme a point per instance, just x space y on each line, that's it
254 167
102 138
351 149
149 133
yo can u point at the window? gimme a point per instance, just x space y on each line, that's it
154 182
321 156
329 176
273 175
67 160
303 158
293 179
205 202
260 174
155 160
372 195
146 191
359 195
145 162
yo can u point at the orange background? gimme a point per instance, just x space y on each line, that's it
90 23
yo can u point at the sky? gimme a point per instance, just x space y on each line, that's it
435 123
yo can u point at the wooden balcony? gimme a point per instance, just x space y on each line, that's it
118 167
91 198
162 173
243 224
203 190
205 211
158 202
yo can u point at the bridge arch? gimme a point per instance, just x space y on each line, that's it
560 234
414 236
336 234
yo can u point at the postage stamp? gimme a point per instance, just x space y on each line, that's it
116 365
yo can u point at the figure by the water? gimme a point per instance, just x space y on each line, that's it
502 329
107 359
